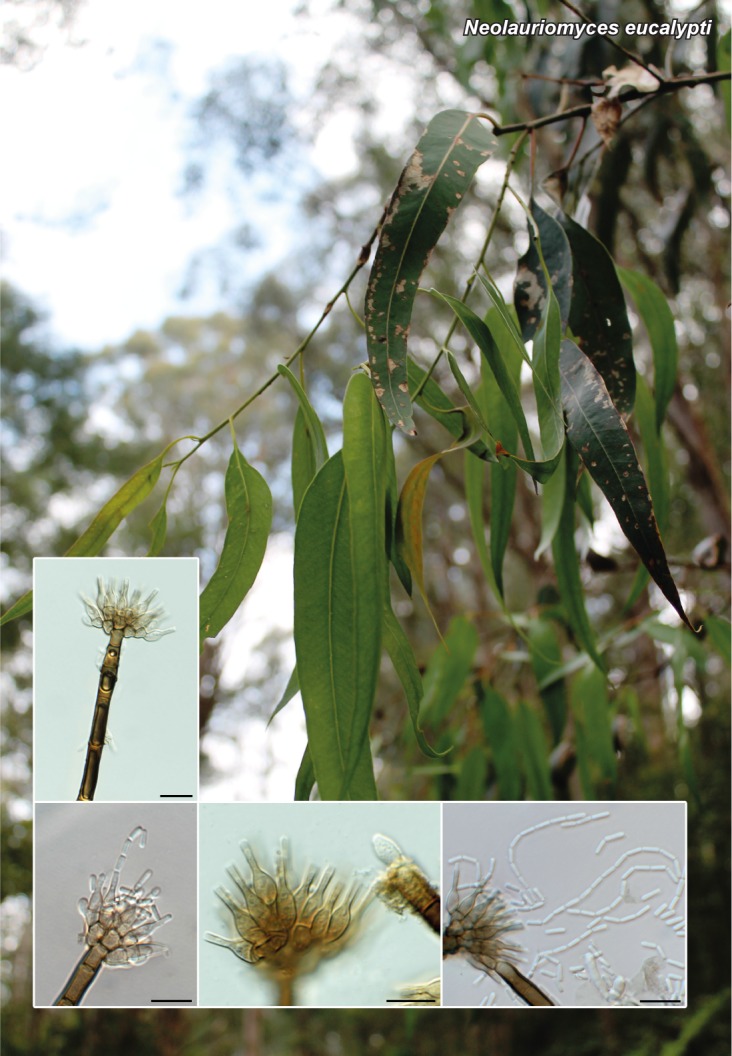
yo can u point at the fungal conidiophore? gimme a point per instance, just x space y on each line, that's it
478 927
118 922
287 931
403 885
121 615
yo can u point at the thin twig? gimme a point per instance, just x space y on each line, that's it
585 109
362 259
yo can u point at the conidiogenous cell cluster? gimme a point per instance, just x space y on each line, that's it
118 923
285 929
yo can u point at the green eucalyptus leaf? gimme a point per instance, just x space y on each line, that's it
402 657
592 715
249 512
329 632
534 753
111 515
502 736
659 322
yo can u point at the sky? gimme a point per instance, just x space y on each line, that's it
93 228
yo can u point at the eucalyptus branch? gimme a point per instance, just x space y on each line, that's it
480 261
362 259
585 109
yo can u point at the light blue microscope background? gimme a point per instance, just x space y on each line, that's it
153 721
387 951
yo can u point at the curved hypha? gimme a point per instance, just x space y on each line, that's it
286 931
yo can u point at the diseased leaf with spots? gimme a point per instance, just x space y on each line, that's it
601 439
598 317
429 190
249 510
530 285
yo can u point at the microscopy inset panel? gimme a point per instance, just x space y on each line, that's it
311 904
148 747
115 889
576 904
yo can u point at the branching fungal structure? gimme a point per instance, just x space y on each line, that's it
286 931
120 614
479 925
118 922
403 885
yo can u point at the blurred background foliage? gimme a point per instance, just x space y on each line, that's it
75 425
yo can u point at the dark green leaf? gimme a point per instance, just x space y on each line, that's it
718 631
159 526
329 633
440 407
656 462
447 672
402 657
364 464
593 734
472 777
600 437
566 565
291 690
305 780
501 736
249 512
111 515
534 753
309 447
546 658
659 322
530 287
430 188
598 318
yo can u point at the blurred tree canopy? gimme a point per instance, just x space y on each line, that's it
75 427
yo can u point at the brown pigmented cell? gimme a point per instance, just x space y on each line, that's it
287 931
